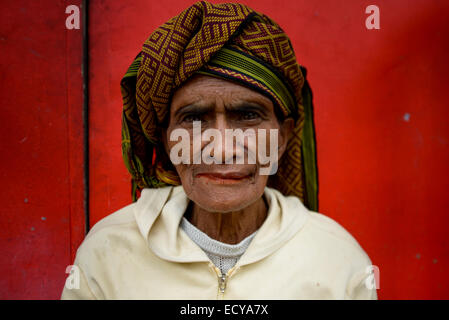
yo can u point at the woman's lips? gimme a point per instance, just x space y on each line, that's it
224 178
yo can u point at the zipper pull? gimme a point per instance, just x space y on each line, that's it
222 283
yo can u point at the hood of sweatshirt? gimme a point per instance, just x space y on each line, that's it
159 212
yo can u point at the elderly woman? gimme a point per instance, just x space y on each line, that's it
222 229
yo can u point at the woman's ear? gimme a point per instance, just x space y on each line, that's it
285 133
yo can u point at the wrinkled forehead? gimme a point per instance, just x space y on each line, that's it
207 91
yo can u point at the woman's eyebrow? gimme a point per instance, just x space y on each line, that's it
247 106
193 108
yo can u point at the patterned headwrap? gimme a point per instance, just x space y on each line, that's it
230 41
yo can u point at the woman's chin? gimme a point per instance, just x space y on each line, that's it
219 198
220 207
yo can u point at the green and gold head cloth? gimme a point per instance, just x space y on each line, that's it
230 41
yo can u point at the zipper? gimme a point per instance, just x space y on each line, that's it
222 283
223 279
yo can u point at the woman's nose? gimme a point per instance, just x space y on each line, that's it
233 145
227 152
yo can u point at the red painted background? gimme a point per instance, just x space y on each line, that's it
381 116
41 148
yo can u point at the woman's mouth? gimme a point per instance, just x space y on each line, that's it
224 178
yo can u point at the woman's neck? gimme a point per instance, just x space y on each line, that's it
230 227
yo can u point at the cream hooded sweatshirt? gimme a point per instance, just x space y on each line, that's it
140 252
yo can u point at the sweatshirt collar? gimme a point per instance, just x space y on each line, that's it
159 212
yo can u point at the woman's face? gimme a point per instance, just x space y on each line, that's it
220 104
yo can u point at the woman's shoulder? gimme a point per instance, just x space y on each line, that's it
326 234
115 230
325 225
318 230
117 219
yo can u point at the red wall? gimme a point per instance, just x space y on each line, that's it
380 111
41 148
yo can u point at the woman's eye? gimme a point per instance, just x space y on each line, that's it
250 115
191 118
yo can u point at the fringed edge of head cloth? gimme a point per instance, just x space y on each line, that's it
206 38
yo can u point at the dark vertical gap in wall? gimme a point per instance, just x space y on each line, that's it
85 72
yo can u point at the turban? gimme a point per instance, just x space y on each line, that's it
233 42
